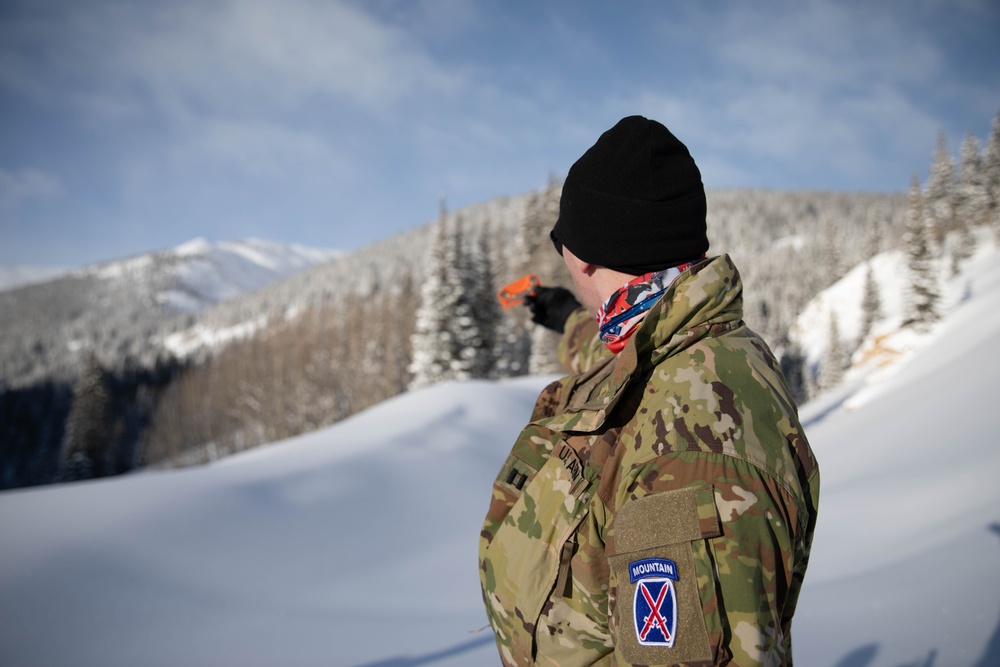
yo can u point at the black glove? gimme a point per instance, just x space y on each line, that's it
550 306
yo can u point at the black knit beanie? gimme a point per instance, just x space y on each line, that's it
634 202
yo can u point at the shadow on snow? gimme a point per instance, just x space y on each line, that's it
864 655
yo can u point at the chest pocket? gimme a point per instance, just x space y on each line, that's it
521 563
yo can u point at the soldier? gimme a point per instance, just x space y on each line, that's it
659 507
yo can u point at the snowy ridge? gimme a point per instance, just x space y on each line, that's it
198 273
186 343
305 551
842 300
888 343
124 308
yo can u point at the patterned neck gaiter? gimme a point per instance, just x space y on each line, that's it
624 310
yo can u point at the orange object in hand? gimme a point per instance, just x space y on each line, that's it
517 291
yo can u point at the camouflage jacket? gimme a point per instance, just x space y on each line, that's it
659 507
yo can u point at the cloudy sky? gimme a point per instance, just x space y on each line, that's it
127 127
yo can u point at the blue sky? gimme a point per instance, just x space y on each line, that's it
134 126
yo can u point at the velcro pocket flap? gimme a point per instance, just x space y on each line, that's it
668 517
651 545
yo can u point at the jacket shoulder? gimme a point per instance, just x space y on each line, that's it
723 395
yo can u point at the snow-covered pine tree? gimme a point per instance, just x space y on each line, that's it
528 238
465 337
88 434
991 175
402 324
973 198
939 195
512 345
871 304
961 245
432 347
549 265
514 338
486 310
832 258
922 304
970 203
536 255
831 371
878 220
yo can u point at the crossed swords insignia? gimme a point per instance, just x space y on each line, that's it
655 619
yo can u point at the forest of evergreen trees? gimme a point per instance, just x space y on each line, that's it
419 308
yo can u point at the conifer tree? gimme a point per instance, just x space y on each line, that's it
400 341
970 203
486 310
512 343
87 439
465 339
991 175
962 246
528 237
549 265
432 349
923 300
832 246
973 198
871 304
513 340
537 256
939 196
834 361
877 219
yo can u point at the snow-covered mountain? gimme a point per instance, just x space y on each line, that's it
356 545
196 274
113 309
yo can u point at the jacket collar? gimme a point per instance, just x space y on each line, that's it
705 300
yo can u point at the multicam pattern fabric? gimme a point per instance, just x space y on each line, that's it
684 448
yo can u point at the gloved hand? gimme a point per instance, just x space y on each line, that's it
551 306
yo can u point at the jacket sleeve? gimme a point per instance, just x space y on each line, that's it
730 540
581 346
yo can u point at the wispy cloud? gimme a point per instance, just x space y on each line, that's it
260 149
344 119
20 186
185 58
820 87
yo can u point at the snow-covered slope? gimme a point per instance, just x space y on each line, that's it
887 341
115 308
199 273
356 545
906 561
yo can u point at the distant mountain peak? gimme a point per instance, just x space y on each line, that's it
112 307
196 246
